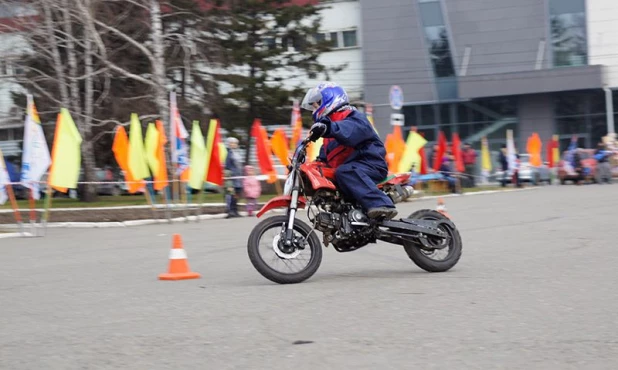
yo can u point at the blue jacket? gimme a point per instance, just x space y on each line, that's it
355 131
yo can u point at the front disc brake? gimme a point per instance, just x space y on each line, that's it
282 254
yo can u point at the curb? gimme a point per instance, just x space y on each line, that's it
14 235
157 206
130 223
483 192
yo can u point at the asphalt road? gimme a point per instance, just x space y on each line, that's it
535 289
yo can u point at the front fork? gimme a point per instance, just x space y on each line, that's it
289 231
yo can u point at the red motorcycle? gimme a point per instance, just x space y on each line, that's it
286 250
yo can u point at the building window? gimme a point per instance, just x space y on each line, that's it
437 38
580 113
349 39
338 40
568 32
439 51
319 37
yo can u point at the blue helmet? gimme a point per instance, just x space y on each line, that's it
328 95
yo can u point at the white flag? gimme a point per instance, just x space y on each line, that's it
4 180
35 158
510 152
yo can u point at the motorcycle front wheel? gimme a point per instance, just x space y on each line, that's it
279 264
436 260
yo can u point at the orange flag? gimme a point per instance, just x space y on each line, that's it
297 133
279 145
399 146
534 147
120 147
161 180
263 151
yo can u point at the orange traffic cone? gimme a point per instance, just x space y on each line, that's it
179 267
441 208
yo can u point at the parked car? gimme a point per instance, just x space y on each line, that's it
528 173
567 173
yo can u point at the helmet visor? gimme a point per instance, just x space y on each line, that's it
313 96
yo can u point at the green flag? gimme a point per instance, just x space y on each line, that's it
198 158
137 154
152 145
66 154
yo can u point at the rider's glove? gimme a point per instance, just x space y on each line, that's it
318 130
325 120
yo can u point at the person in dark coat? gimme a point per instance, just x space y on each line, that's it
446 169
352 146
233 164
504 164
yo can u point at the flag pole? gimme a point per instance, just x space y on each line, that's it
9 190
184 197
149 198
167 203
200 199
48 201
32 213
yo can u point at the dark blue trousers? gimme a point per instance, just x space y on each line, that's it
357 180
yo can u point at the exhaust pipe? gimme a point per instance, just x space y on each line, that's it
400 193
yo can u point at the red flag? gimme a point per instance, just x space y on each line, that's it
551 145
263 151
442 144
215 168
459 165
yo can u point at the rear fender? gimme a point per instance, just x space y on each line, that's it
403 178
282 201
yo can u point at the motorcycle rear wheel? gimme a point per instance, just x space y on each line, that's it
300 229
421 256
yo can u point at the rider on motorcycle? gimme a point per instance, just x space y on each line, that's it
351 146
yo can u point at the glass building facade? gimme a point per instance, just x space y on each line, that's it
568 32
469 119
438 43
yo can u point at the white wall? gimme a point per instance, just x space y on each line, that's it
341 16
11 45
602 16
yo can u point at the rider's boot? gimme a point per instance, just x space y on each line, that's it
382 212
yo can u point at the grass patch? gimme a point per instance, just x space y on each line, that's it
139 200
465 190
119 201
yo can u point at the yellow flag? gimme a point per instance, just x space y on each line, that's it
152 145
556 151
485 157
198 158
222 152
137 154
314 151
411 157
66 153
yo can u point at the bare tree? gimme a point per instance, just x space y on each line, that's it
103 59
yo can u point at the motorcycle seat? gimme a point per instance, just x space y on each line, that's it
387 179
